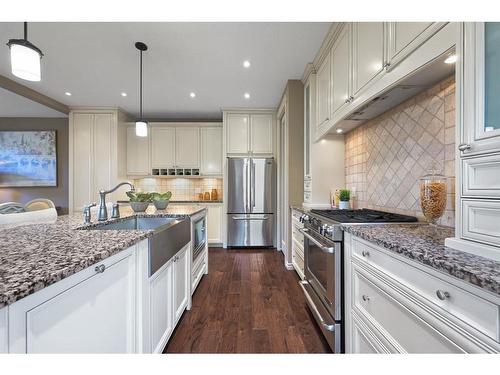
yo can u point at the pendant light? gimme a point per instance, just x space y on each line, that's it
141 125
25 58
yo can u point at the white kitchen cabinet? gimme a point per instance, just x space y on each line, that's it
181 283
297 243
261 134
341 71
237 133
214 223
405 37
161 306
211 151
137 154
368 39
4 330
163 147
187 147
398 301
323 93
97 154
92 311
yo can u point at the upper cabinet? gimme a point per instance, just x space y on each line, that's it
171 147
367 53
251 132
323 93
187 147
406 37
211 151
481 72
341 70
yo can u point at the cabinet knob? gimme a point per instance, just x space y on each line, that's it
365 297
387 65
464 147
442 295
365 253
100 269
348 100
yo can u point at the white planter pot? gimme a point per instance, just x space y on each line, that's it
344 205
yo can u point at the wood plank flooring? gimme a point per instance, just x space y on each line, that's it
248 303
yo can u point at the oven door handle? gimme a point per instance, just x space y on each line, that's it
250 218
328 327
325 249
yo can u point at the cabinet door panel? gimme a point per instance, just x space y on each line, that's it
211 151
161 307
95 316
187 147
4 337
340 70
137 154
162 147
83 180
238 133
103 152
368 51
181 283
323 92
214 223
261 141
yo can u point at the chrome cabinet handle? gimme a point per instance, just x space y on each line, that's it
325 249
387 65
442 295
100 269
464 147
328 327
365 298
365 253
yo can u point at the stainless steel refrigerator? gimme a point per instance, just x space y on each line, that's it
251 202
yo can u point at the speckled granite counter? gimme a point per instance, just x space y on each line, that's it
425 245
35 256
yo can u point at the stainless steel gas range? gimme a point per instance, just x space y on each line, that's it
323 264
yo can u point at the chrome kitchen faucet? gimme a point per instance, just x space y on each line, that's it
103 212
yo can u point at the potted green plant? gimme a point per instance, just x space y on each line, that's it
161 200
139 201
344 199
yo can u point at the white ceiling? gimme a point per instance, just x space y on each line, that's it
13 105
98 61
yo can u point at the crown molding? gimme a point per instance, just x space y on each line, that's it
310 69
28 93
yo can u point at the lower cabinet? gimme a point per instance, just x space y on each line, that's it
181 285
394 305
92 311
214 224
297 243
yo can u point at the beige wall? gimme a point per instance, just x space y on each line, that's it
58 194
181 188
386 156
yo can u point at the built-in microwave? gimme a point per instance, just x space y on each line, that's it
200 236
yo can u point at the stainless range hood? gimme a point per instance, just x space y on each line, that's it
421 80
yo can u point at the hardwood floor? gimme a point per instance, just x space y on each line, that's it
248 303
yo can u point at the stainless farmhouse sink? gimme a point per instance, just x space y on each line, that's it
170 235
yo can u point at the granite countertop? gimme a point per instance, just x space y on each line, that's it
424 244
35 256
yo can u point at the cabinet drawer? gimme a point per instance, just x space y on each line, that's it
408 331
296 214
307 196
297 236
364 341
481 177
298 248
480 221
475 311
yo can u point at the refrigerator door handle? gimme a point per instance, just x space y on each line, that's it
252 191
250 218
247 185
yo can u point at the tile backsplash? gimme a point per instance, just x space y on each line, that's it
386 156
181 188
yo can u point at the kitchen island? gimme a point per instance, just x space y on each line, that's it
61 275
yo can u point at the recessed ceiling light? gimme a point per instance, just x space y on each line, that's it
123 94
246 64
192 95
451 59
247 95
67 93
339 131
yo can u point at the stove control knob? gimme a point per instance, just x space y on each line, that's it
328 231
323 229
304 218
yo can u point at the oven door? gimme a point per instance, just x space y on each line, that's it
323 271
200 236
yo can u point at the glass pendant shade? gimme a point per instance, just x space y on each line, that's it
141 128
25 60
